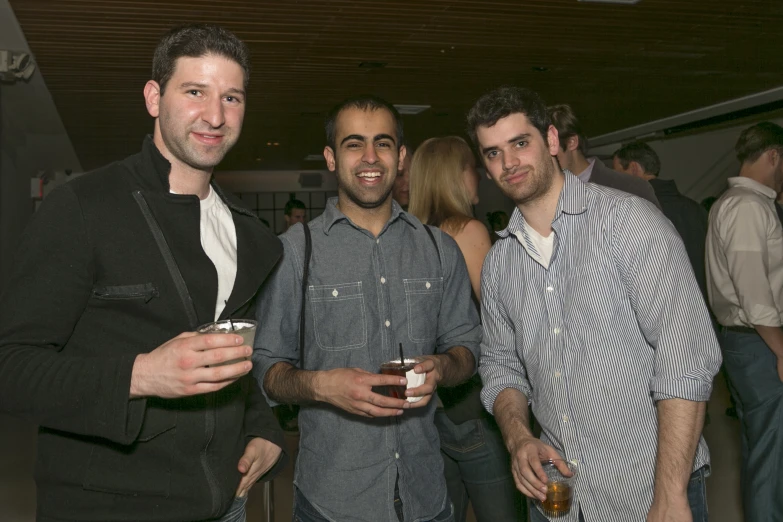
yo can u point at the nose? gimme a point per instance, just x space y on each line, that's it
369 156
214 113
510 162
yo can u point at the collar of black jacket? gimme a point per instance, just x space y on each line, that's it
664 187
162 168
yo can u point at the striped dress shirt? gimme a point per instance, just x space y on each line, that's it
616 323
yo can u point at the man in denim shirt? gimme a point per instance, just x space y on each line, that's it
376 280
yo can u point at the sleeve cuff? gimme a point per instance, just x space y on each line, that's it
763 315
687 389
490 393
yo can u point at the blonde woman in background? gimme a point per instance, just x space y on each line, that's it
443 189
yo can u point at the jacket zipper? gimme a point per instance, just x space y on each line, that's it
209 428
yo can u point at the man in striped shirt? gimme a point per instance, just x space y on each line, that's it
593 316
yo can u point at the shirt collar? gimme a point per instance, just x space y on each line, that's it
332 215
586 174
573 200
752 184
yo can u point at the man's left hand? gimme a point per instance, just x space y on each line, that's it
260 455
671 510
429 366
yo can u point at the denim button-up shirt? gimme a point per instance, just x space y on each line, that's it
365 295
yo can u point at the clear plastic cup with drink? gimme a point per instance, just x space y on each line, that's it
244 327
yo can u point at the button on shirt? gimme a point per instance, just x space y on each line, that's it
365 296
745 256
615 323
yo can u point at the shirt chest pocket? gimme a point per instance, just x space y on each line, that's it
423 299
338 314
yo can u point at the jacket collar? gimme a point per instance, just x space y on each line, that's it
161 167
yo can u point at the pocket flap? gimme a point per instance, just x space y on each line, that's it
335 292
423 286
144 291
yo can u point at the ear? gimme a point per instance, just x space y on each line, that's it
636 169
329 157
553 140
573 143
152 98
401 160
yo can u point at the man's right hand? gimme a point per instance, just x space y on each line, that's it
178 368
526 456
350 389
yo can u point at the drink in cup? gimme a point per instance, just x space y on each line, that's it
559 489
403 369
244 327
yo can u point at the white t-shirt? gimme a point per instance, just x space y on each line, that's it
219 241
543 245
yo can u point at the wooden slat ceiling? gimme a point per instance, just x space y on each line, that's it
616 65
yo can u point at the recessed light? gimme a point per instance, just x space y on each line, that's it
540 69
627 2
410 109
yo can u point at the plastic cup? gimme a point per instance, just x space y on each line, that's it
559 489
405 369
244 327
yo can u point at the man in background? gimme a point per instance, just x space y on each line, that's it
638 159
572 157
745 286
295 212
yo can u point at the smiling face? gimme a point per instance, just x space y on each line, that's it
365 157
199 115
518 158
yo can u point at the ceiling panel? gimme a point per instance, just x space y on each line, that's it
616 65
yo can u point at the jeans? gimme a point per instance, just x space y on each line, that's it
758 393
697 499
304 511
236 513
478 470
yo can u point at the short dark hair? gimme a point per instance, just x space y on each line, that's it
195 41
364 102
642 154
292 204
758 139
505 101
567 125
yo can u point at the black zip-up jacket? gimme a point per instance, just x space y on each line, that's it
90 292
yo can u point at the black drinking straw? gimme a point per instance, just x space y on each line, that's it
229 317
402 357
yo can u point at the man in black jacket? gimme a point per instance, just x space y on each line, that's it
572 156
138 420
689 218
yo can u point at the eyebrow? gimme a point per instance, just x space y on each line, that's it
515 139
197 85
376 138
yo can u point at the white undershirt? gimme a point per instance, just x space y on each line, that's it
542 244
219 241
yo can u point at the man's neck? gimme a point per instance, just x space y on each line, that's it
579 163
648 177
371 219
758 175
540 213
184 179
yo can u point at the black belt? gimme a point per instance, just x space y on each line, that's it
741 329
